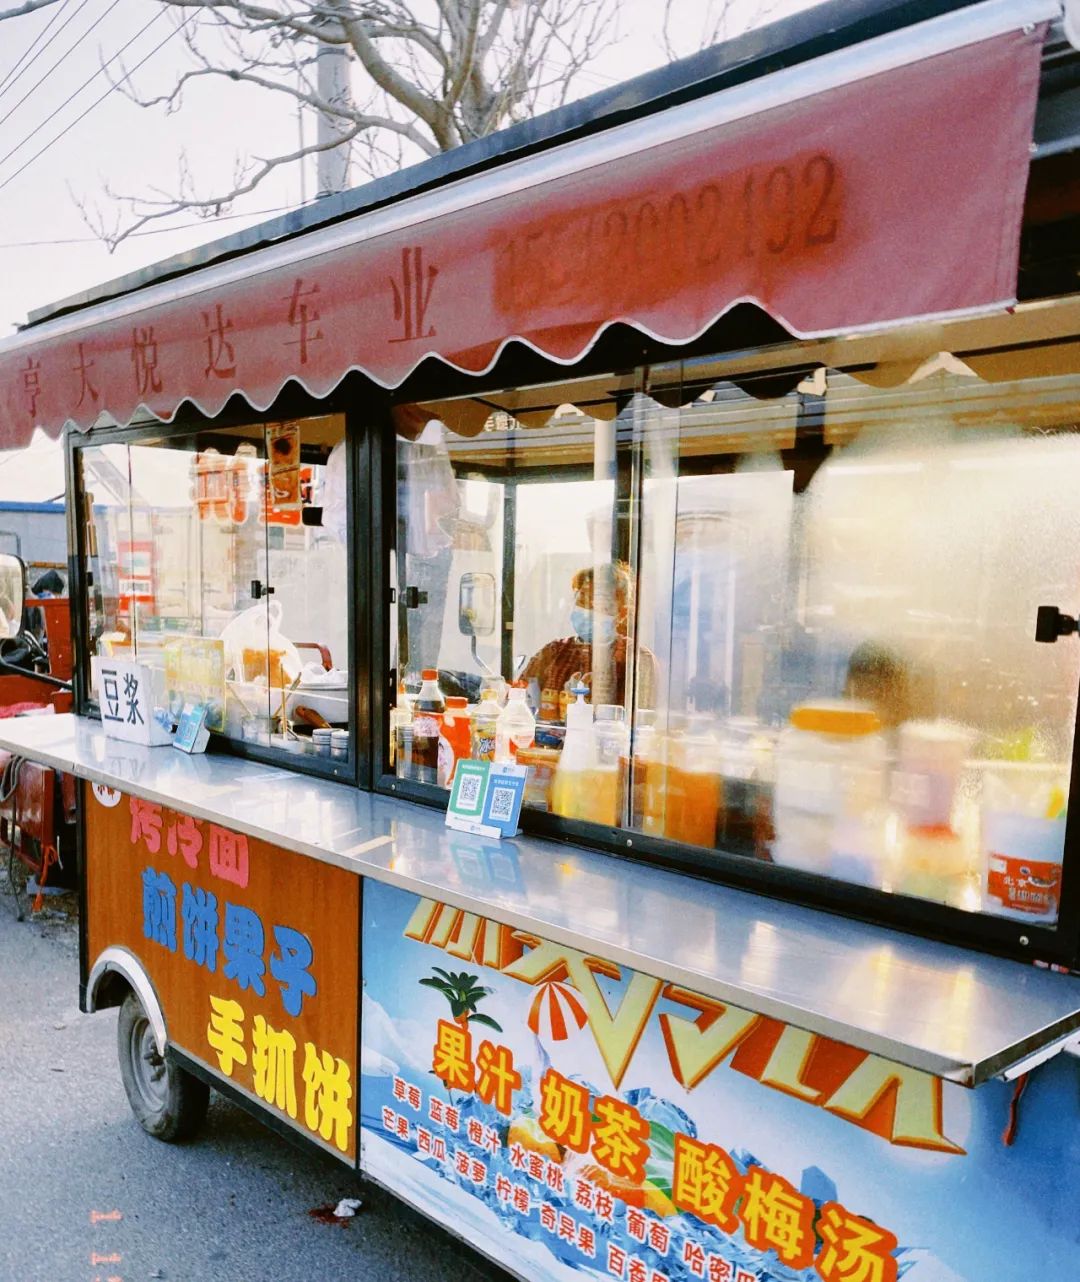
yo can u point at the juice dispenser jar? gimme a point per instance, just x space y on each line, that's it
927 775
936 854
694 792
612 736
829 815
648 797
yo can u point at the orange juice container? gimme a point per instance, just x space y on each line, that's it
693 784
550 708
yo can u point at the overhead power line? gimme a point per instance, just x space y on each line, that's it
89 80
13 75
30 47
153 231
96 103
38 83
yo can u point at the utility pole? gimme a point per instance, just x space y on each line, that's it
332 165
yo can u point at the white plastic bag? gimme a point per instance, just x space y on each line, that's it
256 651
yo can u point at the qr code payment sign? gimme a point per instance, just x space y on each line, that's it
502 804
468 797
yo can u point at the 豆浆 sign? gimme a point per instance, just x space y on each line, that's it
573 1118
127 697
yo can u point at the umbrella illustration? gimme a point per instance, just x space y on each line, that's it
554 1009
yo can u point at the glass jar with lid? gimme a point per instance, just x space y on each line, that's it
831 770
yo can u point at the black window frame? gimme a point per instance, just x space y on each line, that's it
355 771
1035 942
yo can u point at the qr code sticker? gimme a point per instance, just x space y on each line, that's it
469 792
502 804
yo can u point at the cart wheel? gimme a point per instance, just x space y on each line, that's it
169 1103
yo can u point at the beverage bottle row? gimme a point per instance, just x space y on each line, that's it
431 733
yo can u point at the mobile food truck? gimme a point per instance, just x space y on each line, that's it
735 415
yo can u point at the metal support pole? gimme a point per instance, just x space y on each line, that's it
332 165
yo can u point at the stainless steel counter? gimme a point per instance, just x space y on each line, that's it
952 1012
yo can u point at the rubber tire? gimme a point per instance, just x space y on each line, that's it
184 1098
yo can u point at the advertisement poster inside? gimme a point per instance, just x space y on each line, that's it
572 1118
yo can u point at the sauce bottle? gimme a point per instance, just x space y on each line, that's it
569 791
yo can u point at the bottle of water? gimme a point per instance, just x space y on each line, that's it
516 727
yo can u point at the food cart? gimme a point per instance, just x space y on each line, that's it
733 413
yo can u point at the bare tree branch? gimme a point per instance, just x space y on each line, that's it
426 76
246 177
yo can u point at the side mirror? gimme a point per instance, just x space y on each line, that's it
12 595
476 605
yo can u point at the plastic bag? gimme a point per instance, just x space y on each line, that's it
256 651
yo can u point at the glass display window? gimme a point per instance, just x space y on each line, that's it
220 558
787 622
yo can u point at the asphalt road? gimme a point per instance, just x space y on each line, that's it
232 1206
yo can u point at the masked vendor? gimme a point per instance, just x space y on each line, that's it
596 653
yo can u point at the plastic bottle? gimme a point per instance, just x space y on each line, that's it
516 727
455 739
427 722
693 784
484 721
549 706
401 734
612 736
577 762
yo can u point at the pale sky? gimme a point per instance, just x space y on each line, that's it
46 249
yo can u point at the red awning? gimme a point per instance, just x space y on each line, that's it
834 200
